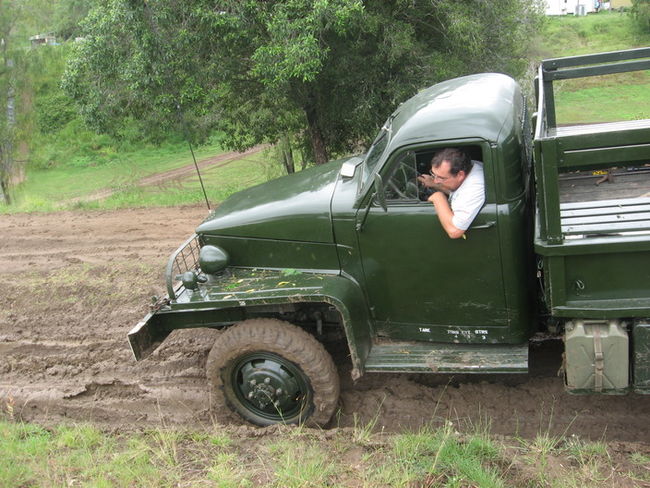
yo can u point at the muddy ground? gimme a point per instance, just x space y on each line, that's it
74 283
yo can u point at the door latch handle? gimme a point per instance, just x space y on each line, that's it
486 225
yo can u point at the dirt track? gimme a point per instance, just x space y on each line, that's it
74 283
219 160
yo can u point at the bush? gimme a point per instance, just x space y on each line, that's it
53 112
73 145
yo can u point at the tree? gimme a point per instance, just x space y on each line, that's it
9 13
322 72
20 71
65 16
641 13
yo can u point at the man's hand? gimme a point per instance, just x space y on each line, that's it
427 180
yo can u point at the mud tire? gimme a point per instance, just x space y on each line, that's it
302 358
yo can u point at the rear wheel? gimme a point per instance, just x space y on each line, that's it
270 372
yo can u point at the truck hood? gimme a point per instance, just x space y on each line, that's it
295 207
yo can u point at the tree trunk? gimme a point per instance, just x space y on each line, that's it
4 190
287 154
316 137
4 196
11 124
6 155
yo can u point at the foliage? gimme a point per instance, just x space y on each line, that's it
53 131
67 15
143 62
641 13
327 71
54 112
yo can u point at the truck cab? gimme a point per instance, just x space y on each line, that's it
420 284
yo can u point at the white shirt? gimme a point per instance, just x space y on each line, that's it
468 199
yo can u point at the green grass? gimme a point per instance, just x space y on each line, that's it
616 99
442 457
68 186
296 457
606 31
78 456
220 182
609 98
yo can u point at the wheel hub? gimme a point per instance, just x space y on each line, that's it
269 385
263 394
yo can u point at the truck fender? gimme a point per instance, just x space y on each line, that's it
212 307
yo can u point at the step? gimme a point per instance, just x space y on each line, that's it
426 357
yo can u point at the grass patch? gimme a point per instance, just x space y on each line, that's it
301 463
569 35
44 189
223 457
440 457
70 187
220 182
609 98
75 456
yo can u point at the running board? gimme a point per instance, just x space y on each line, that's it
422 357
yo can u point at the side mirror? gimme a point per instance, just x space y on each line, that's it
380 195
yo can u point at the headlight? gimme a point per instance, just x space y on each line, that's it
212 259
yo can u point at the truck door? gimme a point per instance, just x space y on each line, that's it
421 284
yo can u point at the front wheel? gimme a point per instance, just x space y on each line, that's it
271 372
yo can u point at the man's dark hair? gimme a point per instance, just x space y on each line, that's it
458 160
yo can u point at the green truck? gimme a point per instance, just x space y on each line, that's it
352 249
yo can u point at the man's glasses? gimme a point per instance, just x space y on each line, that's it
437 177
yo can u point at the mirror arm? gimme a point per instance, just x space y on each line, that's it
378 196
379 192
361 222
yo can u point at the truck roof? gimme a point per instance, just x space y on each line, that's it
467 107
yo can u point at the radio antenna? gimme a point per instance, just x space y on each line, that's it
196 165
163 55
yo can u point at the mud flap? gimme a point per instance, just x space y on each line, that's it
146 336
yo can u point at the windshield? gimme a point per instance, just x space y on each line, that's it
376 150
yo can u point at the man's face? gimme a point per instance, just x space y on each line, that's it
444 179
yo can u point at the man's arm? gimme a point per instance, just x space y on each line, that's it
445 215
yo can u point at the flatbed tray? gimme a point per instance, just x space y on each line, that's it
627 216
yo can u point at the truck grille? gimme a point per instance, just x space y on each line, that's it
185 258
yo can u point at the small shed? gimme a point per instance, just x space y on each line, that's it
571 7
43 39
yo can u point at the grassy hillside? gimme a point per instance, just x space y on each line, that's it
624 96
117 183
68 165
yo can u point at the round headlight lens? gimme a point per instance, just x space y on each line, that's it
212 259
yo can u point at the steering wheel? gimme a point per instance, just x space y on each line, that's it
395 188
